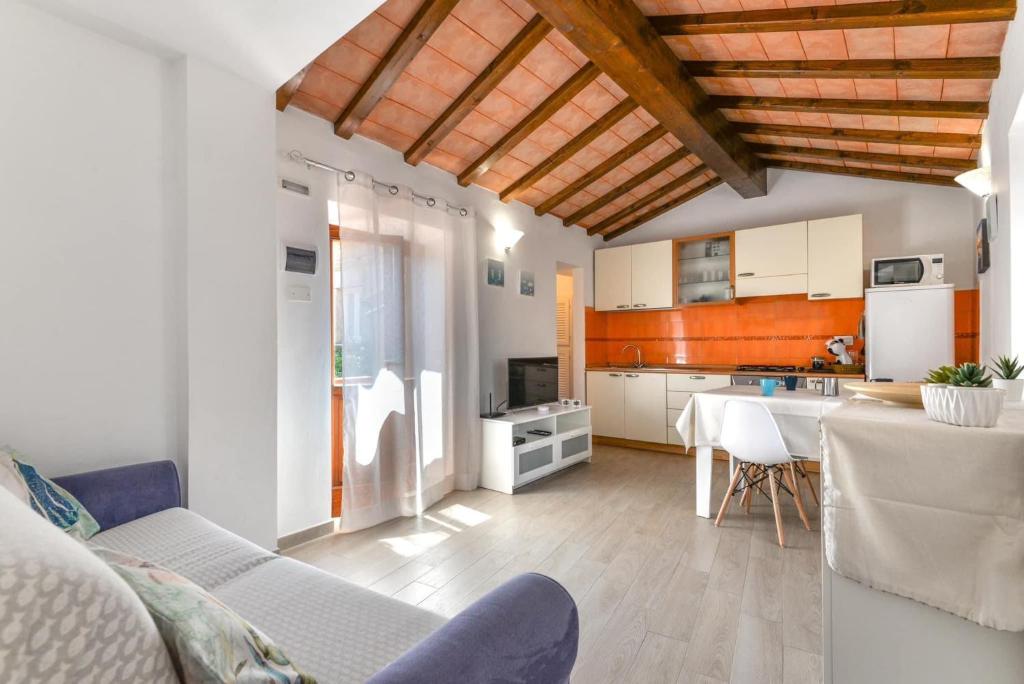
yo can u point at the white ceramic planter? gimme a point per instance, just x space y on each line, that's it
1014 388
963 406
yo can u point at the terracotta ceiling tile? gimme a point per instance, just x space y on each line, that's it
510 167
920 150
800 87
870 43
348 59
607 145
766 87
823 144
681 167
744 46
492 181
595 100
785 118
316 106
637 164
814 3
763 4
682 47
846 120
549 137
616 177
430 66
531 197
530 152
739 115
924 124
503 109
882 123
918 42
560 177
549 185
492 19
462 45
966 89
710 46
520 7
876 88
612 87
733 86
649 7
919 89
645 116
658 149
417 95
462 146
682 6
630 128
721 5
400 118
782 45
823 44
786 140
977 40
841 88
883 148
759 116
566 48
375 34
328 86
525 88
587 158
969 126
571 119
952 152
813 119
549 64
444 161
399 12
385 135
481 128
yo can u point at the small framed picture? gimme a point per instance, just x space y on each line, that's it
526 283
496 273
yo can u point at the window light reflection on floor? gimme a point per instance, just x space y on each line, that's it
465 515
414 544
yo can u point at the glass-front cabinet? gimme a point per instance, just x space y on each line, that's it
704 269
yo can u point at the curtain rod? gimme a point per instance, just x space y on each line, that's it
350 176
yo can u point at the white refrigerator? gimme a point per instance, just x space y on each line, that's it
908 331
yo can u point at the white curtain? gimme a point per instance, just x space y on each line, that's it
406 310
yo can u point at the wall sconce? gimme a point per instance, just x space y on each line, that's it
506 237
979 182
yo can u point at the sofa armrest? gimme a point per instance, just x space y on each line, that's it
118 495
526 630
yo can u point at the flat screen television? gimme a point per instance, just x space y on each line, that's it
532 382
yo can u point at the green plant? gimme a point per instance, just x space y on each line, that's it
1007 368
941 375
971 375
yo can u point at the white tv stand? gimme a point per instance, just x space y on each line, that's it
505 467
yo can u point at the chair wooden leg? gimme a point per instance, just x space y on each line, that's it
775 505
814 494
728 494
791 481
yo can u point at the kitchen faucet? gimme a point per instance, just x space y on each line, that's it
639 355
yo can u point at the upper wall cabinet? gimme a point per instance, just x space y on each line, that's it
835 258
771 260
633 277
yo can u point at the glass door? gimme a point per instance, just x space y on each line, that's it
704 270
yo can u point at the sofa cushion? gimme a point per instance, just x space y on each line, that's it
188 544
338 632
64 615
47 498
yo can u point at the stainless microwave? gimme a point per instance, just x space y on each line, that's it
920 269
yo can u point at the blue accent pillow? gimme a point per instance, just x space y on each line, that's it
52 501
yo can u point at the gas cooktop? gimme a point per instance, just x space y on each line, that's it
769 369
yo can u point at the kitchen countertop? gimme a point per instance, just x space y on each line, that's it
720 370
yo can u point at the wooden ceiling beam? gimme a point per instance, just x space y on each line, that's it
963 140
601 169
869 157
616 36
946 110
956 67
662 208
945 181
565 152
287 91
851 16
408 44
531 122
622 188
652 196
488 79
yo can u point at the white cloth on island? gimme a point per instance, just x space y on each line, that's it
928 511
797 413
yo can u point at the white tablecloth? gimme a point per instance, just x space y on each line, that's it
797 413
926 510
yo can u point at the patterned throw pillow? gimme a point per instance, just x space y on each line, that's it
208 641
46 498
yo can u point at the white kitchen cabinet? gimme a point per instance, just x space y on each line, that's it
835 258
607 399
612 279
634 277
651 275
771 260
645 407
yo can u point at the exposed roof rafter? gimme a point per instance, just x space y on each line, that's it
863 135
928 179
662 208
652 196
954 67
929 108
919 161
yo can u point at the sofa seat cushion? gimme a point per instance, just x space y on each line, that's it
336 631
187 544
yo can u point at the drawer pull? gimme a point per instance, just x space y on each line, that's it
698 377
744 275
639 306
821 294
622 306
632 375
615 375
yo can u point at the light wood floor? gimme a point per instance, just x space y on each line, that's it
663 596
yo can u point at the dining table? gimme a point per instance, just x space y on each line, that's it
797 412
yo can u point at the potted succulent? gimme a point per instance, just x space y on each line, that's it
1009 379
962 396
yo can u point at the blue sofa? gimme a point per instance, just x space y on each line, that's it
524 631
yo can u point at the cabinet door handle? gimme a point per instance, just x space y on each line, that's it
622 306
744 275
821 294
698 377
639 306
615 375
632 375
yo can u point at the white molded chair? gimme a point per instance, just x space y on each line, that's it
752 438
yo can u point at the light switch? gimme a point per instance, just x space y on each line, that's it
299 293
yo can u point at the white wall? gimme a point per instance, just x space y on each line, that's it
90 357
899 218
1002 313
510 324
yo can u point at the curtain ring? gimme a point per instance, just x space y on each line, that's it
393 189
431 201
350 176
463 212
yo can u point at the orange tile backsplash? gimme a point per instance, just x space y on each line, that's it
783 330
